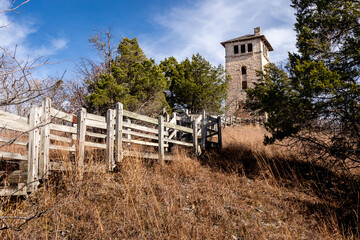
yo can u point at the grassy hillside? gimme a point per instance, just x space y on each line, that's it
247 192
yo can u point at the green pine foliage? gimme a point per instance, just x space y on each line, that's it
135 81
195 84
316 98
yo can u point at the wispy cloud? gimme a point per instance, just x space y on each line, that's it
201 26
15 34
53 47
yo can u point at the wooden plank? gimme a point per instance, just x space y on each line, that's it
33 153
13 191
62 148
13 156
96 124
119 132
110 122
178 142
212 119
60 139
138 134
12 124
166 115
210 124
212 131
143 142
212 134
15 172
81 131
219 134
68 166
97 135
14 117
16 176
128 136
146 155
95 145
161 139
62 128
173 134
11 140
177 127
140 117
173 118
195 138
45 138
140 128
61 115
96 118
61 166
198 119
203 130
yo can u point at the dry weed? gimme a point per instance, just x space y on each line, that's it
247 192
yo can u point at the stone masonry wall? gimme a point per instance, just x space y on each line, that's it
253 61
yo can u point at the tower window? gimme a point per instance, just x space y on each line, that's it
242 48
236 49
250 47
244 84
243 70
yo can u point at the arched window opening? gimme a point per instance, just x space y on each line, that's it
243 70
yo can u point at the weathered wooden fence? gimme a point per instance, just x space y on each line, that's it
48 130
234 120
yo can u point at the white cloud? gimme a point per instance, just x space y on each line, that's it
201 27
282 40
52 48
15 34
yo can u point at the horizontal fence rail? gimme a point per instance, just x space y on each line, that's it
234 120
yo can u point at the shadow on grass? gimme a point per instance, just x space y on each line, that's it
339 193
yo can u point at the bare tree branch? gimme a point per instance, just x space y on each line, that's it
14 6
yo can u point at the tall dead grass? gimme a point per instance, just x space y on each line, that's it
247 192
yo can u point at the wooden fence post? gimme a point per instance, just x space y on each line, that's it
81 131
128 136
33 153
110 121
195 139
203 131
219 134
166 115
173 118
45 139
119 132
161 139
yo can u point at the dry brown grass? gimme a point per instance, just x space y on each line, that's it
247 192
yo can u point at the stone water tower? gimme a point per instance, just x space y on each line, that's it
243 57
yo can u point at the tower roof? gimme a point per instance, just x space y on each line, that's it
257 34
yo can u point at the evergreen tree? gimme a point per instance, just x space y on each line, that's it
316 99
135 81
195 84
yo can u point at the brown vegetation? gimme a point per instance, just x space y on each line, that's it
247 192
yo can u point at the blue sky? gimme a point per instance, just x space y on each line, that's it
60 29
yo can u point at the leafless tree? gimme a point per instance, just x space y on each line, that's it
18 86
103 43
89 70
